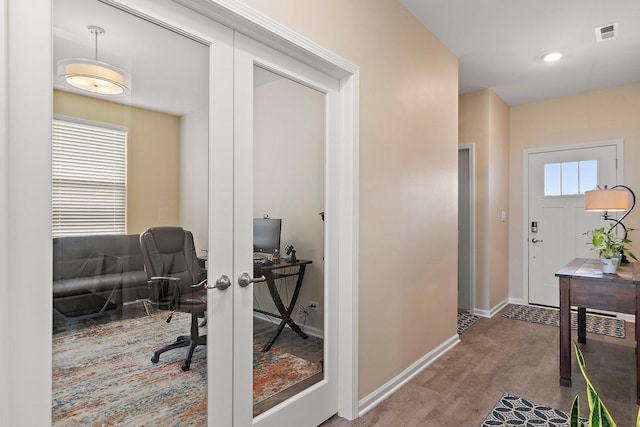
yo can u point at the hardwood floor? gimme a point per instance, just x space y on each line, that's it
500 355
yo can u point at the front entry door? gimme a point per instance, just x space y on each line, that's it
557 220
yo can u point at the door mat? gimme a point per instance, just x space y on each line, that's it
596 324
465 321
102 375
516 411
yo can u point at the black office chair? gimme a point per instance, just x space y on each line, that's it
176 282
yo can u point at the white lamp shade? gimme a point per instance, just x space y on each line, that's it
94 76
606 201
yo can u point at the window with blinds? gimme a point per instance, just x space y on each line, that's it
89 179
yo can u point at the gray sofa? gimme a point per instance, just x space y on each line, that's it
94 273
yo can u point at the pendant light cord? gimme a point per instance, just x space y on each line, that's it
96 31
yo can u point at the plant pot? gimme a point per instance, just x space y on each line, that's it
610 265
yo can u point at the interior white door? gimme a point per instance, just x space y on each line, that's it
557 220
318 402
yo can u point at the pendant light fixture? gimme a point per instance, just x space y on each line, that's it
93 75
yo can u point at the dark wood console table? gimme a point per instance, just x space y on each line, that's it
272 273
583 284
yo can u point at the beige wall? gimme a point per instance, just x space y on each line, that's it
484 121
153 156
498 201
599 116
408 174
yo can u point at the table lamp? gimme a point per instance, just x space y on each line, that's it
614 199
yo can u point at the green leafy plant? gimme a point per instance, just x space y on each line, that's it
606 244
598 414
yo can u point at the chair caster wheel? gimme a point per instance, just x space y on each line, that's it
155 359
185 367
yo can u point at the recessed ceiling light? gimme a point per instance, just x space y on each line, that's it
552 57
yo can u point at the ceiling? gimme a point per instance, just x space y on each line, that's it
168 70
500 44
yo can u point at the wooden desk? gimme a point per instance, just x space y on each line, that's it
583 284
272 274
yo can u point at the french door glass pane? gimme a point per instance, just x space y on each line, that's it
289 177
105 330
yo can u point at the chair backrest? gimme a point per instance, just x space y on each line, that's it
170 252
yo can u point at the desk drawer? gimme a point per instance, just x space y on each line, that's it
610 296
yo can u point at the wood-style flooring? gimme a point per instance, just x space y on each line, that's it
500 355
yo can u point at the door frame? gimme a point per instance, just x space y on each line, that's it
25 199
619 143
472 225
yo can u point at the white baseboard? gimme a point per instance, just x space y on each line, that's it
309 330
518 301
627 317
377 396
493 311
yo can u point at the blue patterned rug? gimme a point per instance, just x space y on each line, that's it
602 325
516 411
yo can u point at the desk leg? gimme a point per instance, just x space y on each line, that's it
294 299
565 331
582 325
285 312
637 328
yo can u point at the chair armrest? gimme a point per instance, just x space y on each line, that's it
170 279
164 292
197 285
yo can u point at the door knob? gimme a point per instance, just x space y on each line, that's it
245 279
534 240
222 283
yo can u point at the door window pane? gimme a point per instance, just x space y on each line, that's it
570 178
109 188
289 146
552 181
588 175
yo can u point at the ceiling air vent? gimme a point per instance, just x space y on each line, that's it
607 32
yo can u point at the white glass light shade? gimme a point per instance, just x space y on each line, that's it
94 76
606 201
552 57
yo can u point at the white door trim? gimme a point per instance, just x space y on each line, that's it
619 143
472 226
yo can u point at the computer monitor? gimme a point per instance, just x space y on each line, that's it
266 235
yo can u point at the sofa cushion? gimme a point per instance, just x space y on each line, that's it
98 264
101 283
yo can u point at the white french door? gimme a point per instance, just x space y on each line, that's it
284 169
230 198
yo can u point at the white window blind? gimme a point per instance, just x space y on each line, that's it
89 179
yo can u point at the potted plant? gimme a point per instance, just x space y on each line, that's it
610 248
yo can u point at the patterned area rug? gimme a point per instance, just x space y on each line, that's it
516 411
465 320
102 375
545 316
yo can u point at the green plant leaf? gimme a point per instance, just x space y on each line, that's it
599 416
574 418
638 419
594 415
